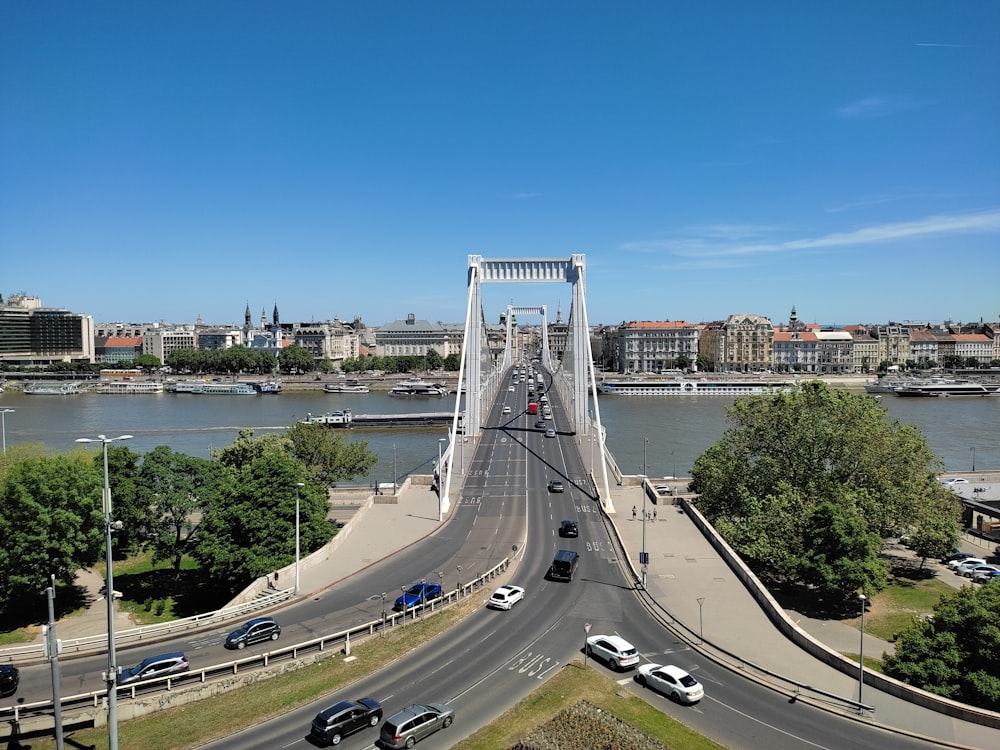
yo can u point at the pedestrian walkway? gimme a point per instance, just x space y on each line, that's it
697 588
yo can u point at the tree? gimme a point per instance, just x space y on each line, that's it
250 532
294 359
327 455
147 362
805 476
955 653
126 505
434 359
175 487
53 503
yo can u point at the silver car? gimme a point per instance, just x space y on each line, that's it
414 723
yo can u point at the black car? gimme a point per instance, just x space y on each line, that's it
254 631
332 724
10 678
569 528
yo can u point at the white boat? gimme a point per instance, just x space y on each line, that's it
884 386
417 389
129 387
946 389
53 389
213 388
642 387
348 386
330 419
268 386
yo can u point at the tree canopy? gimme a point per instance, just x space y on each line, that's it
806 484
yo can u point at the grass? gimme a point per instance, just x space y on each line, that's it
900 605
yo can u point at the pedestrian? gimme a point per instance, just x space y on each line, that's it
654 515
633 512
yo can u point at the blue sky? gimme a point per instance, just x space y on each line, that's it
161 161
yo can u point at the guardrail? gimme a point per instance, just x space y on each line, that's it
88 709
95 643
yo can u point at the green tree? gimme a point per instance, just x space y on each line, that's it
434 359
126 505
174 487
326 453
51 512
955 653
293 359
789 458
250 532
147 362
453 362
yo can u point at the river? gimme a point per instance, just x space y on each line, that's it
678 429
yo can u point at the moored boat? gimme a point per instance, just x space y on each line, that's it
692 387
946 389
347 386
66 388
267 386
330 419
130 387
418 389
213 388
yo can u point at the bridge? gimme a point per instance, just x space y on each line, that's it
481 374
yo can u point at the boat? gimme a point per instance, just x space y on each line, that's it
53 389
129 387
417 389
885 386
644 387
213 388
268 386
947 389
347 386
330 419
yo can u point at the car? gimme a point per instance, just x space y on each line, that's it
569 528
663 489
954 564
506 410
254 631
613 650
505 597
960 556
10 678
418 593
556 485
969 571
983 576
154 666
544 399
510 389
413 723
954 480
550 432
332 724
672 681
539 424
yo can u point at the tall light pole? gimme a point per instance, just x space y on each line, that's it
973 457
701 621
861 654
109 592
440 470
298 486
5 412
394 469
52 651
644 556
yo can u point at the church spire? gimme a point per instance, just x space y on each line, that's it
246 316
274 317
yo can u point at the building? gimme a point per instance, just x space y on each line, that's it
160 342
743 343
120 349
32 335
411 337
655 346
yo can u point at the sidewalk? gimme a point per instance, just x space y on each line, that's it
689 579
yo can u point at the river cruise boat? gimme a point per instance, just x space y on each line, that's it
268 386
346 386
130 387
690 387
330 419
418 389
211 388
67 388
947 389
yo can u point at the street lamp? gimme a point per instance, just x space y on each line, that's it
394 475
109 592
298 486
861 654
701 622
644 556
459 581
5 412
440 471
383 614
973 457
441 578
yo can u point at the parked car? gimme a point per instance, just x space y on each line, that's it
672 681
984 576
418 593
332 724
614 650
556 485
955 564
970 570
663 490
960 556
505 597
954 480
569 528
154 666
415 722
254 631
10 678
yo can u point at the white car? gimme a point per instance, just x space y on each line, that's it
510 389
956 564
970 571
955 480
505 597
613 650
672 681
506 410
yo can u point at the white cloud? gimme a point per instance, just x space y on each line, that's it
874 107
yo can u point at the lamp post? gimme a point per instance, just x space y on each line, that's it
444 591
394 475
861 654
298 487
973 457
459 581
109 592
644 556
440 469
383 614
5 412
586 632
701 622
52 651
402 619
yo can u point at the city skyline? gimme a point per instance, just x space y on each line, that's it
171 162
